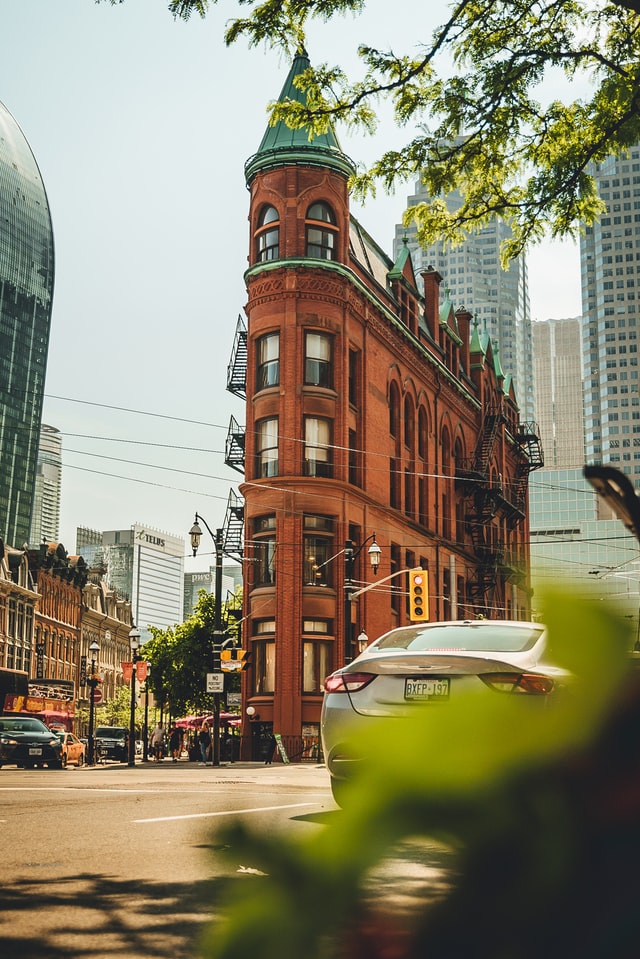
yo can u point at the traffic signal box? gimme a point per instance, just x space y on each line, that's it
234 660
418 595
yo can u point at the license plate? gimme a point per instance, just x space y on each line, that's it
35 751
425 689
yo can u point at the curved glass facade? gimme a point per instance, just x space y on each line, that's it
26 296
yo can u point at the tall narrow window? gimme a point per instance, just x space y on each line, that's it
321 232
268 235
317 360
318 551
268 354
267 448
354 378
264 668
394 413
316 665
264 551
318 452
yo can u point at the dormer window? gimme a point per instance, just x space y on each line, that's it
268 235
322 234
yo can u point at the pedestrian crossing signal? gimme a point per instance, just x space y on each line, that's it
418 595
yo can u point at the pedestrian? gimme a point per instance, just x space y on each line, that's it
204 738
157 742
175 743
270 749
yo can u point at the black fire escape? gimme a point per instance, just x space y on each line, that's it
234 447
486 496
237 384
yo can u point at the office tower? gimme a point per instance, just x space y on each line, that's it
143 565
26 294
45 520
557 361
610 270
476 282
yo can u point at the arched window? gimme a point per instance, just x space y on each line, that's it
394 411
423 433
409 423
321 232
268 235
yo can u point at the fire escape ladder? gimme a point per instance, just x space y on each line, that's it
233 529
234 446
528 439
237 368
486 442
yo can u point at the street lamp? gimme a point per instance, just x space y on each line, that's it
134 644
362 641
351 553
195 535
93 682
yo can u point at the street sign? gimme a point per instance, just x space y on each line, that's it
215 682
97 695
231 665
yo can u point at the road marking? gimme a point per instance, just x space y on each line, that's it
225 812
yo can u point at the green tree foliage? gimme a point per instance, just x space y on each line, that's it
538 807
181 657
469 95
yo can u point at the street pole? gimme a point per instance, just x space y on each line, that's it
195 533
145 737
93 649
350 555
348 586
134 642
217 641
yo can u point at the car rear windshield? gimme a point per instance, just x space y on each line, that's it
22 726
459 637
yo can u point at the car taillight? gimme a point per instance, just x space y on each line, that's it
531 684
347 682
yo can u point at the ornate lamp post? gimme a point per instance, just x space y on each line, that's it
134 644
351 553
93 682
195 534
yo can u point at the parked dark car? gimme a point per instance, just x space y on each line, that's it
27 742
112 742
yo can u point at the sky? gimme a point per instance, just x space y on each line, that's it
141 126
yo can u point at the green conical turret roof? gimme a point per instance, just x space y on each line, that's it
282 146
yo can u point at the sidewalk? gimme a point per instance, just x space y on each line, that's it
308 774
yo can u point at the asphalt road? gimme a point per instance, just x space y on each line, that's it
109 861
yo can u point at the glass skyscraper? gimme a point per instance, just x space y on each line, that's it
610 270
26 296
476 281
45 519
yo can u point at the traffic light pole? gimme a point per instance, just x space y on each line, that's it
379 582
217 644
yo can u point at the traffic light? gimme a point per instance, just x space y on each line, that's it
418 595
235 660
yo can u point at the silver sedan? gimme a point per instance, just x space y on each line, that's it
410 671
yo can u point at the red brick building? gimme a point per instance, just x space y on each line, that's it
371 408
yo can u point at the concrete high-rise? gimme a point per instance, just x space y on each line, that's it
610 271
558 389
45 520
143 565
476 281
26 296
